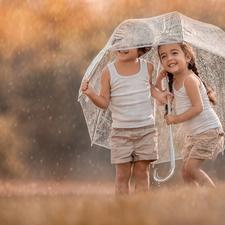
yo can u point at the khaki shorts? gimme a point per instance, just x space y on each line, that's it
133 144
205 145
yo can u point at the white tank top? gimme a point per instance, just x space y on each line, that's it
207 119
130 98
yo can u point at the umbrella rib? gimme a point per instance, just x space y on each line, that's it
179 18
93 70
95 127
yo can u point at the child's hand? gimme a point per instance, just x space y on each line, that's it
170 98
164 96
162 74
86 87
171 119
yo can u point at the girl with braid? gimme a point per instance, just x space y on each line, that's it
192 100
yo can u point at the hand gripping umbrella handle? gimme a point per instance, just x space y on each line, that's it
172 155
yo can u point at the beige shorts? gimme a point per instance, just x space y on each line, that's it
133 144
205 145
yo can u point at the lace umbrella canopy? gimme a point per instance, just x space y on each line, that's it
208 42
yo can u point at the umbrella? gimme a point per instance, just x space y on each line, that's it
208 42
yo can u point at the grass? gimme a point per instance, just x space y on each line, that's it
70 205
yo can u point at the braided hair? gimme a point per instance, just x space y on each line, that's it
170 83
192 65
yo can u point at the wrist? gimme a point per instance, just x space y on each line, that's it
91 94
177 119
159 79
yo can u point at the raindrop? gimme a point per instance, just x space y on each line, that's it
71 168
41 160
59 131
50 117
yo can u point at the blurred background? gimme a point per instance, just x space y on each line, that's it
45 49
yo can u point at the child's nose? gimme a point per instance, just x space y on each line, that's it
170 57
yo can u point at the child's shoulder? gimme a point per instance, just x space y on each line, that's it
190 79
105 70
149 65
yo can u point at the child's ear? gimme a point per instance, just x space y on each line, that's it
188 58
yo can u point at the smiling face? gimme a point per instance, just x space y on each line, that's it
173 58
127 55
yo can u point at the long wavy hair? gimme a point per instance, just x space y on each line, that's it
192 65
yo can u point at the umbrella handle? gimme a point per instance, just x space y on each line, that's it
172 155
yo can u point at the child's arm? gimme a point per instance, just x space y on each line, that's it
159 84
159 80
101 100
155 92
192 85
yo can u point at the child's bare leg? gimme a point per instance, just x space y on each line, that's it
187 180
141 174
123 175
193 170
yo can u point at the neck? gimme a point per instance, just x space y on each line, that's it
180 76
128 62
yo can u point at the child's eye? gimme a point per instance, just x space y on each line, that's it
174 53
163 56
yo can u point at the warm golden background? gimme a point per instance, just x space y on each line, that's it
49 172
45 48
